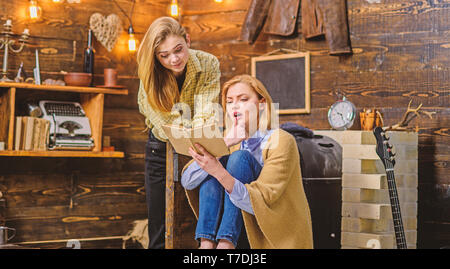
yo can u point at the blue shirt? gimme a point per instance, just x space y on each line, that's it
194 175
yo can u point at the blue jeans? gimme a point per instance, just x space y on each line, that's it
218 217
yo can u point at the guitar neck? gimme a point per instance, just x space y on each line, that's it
395 207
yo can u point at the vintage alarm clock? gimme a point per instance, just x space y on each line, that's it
342 114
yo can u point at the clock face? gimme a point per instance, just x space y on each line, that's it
341 115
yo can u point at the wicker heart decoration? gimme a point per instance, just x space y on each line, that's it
106 29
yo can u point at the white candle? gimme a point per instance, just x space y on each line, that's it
8 22
26 32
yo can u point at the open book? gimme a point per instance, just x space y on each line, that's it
209 136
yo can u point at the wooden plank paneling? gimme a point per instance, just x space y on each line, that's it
56 199
401 52
63 222
24 190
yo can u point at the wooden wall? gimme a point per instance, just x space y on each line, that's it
401 52
51 200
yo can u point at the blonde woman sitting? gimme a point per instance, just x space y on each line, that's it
257 187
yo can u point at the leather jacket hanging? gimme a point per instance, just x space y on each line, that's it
334 13
318 17
312 19
282 23
277 17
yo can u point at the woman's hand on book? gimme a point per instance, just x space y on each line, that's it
212 166
205 160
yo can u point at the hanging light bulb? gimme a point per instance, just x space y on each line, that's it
174 9
35 10
131 40
218 1
57 1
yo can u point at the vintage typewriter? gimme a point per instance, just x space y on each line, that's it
69 126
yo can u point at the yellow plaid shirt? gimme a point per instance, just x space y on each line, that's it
201 88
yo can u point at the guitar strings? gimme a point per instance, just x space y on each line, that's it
401 239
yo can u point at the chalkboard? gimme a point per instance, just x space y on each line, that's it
286 77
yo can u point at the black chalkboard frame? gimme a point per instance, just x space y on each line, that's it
302 56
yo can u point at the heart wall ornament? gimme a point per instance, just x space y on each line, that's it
106 29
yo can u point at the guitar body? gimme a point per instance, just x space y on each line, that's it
384 151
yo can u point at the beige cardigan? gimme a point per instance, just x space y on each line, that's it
282 218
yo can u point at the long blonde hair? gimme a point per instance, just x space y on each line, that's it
259 88
159 83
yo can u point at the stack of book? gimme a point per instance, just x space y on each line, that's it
31 134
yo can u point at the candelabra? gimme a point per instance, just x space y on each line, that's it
7 42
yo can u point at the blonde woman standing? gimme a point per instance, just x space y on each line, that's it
170 74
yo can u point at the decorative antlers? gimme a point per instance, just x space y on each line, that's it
409 115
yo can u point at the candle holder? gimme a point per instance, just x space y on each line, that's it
7 42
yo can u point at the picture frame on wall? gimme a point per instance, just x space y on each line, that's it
287 79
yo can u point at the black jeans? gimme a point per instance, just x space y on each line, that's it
155 185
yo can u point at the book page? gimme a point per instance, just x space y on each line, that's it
211 138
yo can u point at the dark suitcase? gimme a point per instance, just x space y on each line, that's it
321 166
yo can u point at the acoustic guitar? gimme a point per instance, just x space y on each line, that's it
384 151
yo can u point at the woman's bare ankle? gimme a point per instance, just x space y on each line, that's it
207 244
225 244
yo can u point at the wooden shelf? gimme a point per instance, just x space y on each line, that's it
29 86
62 153
91 99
